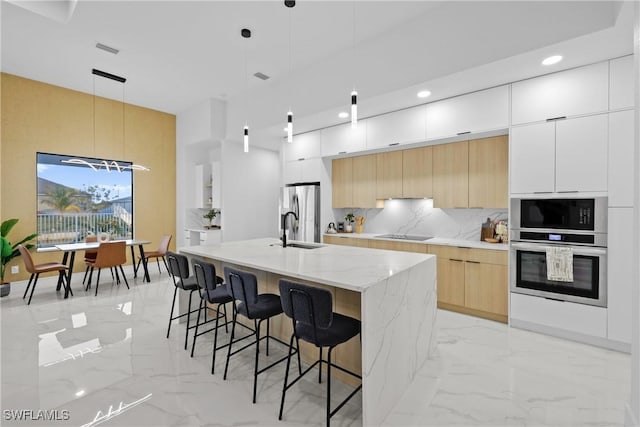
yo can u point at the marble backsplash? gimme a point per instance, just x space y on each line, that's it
194 218
418 216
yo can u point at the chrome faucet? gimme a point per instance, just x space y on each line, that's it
284 226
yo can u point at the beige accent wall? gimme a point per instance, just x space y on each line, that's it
41 117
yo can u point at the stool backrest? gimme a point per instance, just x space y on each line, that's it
307 304
242 286
178 267
26 257
205 273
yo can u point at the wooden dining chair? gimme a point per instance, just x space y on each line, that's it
110 254
159 253
89 254
37 269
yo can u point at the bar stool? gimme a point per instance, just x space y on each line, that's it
243 287
212 291
179 271
311 312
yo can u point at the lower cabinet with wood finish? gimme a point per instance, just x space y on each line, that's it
472 281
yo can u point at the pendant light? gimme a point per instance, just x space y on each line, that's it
290 4
246 33
354 93
108 165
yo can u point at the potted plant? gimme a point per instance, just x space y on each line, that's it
350 217
10 251
211 215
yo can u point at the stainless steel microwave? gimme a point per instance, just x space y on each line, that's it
587 215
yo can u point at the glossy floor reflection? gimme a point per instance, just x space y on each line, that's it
105 360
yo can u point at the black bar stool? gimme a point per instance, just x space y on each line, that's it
257 307
311 311
212 291
179 271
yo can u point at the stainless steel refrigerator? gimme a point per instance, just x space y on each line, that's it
304 200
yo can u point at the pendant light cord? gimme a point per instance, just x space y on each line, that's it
353 46
290 88
94 116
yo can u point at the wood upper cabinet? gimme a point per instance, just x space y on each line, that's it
389 175
417 172
488 163
451 175
364 181
342 183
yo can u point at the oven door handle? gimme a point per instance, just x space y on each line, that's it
578 250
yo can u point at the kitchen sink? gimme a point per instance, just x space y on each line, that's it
404 237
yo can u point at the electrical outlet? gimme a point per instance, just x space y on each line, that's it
15 269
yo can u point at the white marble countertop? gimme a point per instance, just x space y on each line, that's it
201 229
344 267
433 241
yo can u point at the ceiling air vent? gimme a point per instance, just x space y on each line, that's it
107 48
261 76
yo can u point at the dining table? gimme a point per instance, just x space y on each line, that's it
70 250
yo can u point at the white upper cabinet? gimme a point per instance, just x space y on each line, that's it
304 146
564 156
400 127
569 93
621 159
343 139
621 84
471 113
307 170
532 158
581 154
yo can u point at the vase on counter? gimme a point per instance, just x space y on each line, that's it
348 228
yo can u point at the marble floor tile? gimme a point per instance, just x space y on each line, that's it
105 360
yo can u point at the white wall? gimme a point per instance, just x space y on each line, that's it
250 192
633 411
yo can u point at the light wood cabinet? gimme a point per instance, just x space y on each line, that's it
450 281
389 175
417 172
342 183
451 175
472 281
485 288
397 246
364 181
346 241
488 164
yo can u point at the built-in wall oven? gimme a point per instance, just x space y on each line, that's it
577 226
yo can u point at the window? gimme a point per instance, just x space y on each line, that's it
79 196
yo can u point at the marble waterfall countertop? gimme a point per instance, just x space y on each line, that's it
433 241
341 266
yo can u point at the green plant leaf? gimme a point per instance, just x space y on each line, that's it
7 226
26 239
6 248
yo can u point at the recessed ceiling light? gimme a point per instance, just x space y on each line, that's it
552 60
424 94
343 114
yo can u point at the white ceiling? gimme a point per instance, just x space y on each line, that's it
175 54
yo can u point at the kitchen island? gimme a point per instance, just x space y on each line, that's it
392 293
